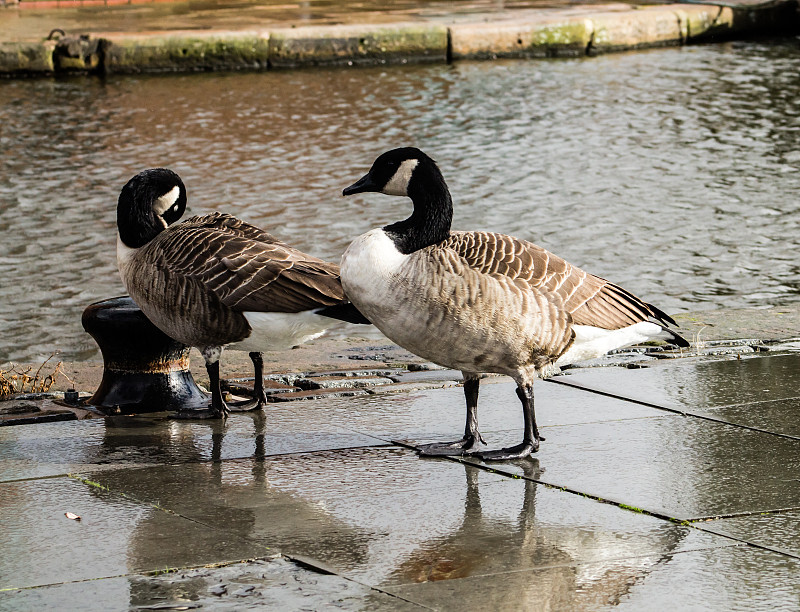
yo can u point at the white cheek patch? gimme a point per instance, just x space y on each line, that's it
165 202
398 184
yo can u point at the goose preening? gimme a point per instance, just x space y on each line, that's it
216 282
479 301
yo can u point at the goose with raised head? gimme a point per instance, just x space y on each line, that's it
217 282
480 301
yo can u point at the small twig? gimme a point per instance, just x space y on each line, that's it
14 380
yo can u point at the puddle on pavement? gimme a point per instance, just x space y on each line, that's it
665 463
293 427
429 531
27 451
780 531
42 546
271 584
716 579
676 466
705 134
176 493
381 516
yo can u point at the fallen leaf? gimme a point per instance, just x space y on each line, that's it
72 516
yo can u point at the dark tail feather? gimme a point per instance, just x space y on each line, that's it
344 312
677 339
662 316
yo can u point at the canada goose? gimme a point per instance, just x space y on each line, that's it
214 281
479 301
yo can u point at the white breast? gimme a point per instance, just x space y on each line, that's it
369 265
124 256
375 278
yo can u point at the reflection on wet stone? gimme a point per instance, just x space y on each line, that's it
261 584
758 392
460 521
472 549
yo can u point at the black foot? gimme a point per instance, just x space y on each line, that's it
247 405
206 413
520 451
465 446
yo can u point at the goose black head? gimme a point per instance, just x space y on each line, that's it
148 203
397 172
409 172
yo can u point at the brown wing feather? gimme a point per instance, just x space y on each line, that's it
590 300
247 268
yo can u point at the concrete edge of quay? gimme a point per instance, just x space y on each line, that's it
571 32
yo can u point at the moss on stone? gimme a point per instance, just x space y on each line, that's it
188 52
26 58
567 38
357 44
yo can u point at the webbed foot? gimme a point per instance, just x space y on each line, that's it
248 405
520 451
465 446
204 413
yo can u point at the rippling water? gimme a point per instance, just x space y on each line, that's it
673 172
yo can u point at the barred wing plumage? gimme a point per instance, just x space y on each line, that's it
589 299
245 267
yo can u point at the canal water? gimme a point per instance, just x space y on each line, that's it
673 172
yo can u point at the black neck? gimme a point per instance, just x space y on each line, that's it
433 212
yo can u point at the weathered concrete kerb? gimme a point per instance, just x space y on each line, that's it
575 31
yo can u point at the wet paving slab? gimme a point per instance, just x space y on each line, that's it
35 451
623 503
673 466
731 578
273 583
50 548
433 414
402 519
780 531
753 391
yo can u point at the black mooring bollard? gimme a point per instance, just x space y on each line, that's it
144 370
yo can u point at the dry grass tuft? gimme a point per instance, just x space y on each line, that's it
17 380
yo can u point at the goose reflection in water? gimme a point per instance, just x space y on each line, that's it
539 563
231 505
532 547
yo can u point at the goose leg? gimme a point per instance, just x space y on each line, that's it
531 437
218 406
472 437
218 409
259 397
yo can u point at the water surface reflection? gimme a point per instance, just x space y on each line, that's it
672 172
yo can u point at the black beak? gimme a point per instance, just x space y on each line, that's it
365 183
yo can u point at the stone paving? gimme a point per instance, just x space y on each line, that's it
673 485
